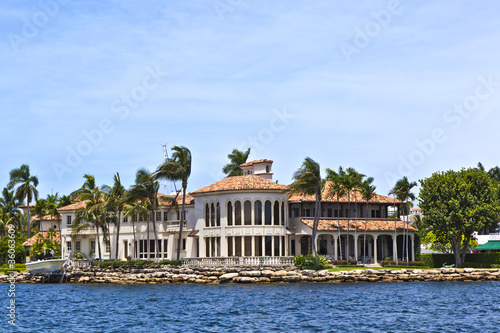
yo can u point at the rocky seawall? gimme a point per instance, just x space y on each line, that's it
172 274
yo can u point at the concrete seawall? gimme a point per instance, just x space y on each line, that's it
172 274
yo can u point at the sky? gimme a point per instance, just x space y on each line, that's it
390 88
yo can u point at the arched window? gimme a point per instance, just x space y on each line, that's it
237 213
268 169
258 213
207 215
229 213
247 206
217 218
276 212
267 213
282 213
212 215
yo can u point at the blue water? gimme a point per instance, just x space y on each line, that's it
363 307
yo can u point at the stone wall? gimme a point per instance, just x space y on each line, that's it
172 274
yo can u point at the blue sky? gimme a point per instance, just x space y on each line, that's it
391 88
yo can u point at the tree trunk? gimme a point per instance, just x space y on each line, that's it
364 237
348 224
28 199
184 187
133 232
98 243
338 229
118 232
456 252
154 230
315 230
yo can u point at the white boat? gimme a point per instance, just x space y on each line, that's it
47 265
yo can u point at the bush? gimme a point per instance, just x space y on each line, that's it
468 264
437 260
385 263
309 262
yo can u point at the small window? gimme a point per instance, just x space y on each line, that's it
125 219
68 246
108 246
158 216
78 246
165 216
183 244
92 247
68 220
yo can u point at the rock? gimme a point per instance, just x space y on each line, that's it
244 279
228 276
251 273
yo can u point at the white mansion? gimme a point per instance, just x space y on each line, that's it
250 216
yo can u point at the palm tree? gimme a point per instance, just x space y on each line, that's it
132 210
40 210
115 202
402 191
5 219
236 158
336 189
9 204
146 189
26 186
350 182
94 214
308 181
367 192
178 167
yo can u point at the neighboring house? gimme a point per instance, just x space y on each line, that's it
251 216
46 222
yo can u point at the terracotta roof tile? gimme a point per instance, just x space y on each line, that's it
240 183
372 225
255 162
44 218
34 238
75 206
355 196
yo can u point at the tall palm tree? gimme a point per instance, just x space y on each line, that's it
236 158
178 167
115 202
367 192
26 186
402 191
133 209
350 182
10 204
307 181
146 189
94 214
336 189
5 219
40 210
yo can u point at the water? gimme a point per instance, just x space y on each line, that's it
363 307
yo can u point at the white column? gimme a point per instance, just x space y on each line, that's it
253 246
335 250
272 246
412 250
234 246
356 247
394 247
209 246
375 249
242 246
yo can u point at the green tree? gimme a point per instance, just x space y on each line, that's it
336 190
26 186
9 204
115 202
178 167
307 181
133 209
236 159
94 214
367 192
402 190
457 203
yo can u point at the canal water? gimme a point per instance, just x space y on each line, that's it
307 307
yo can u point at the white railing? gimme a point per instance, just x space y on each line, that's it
238 261
494 237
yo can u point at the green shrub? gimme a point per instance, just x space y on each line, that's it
468 264
437 260
385 263
309 262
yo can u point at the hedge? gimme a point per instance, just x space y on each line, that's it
474 260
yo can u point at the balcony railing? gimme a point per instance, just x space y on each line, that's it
494 237
238 261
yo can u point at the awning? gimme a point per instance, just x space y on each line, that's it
491 245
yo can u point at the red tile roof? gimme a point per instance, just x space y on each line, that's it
241 183
75 206
193 233
189 199
44 218
255 162
355 196
34 238
372 225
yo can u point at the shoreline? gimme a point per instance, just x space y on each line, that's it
201 275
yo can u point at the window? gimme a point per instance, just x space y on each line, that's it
212 215
77 246
165 248
276 213
237 213
247 206
207 215
329 212
134 218
307 212
68 246
282 213
258 213
108 247
92 247
125 219
158 216
375 213
68 220
229 213
267 211
295 212
183 244
165 216
217 214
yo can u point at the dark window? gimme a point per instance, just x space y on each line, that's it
267 211
217 212
237 213
212 215
258 213
276 213
229 213
248 212
207 215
